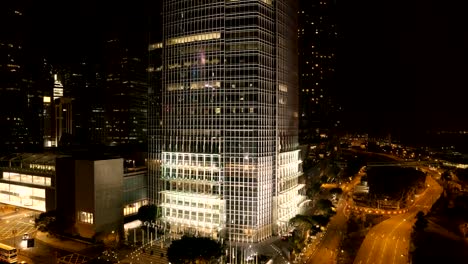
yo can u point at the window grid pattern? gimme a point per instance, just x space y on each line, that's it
220 99
192 197
26 178
85 217
28 197
289 171
289 193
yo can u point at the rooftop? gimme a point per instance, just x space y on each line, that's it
24 159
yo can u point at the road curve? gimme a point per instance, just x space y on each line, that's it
388 242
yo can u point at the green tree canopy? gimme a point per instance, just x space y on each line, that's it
324 204
336 191
47 222
189 250
421 222
320 220
148 213
446 176
301 220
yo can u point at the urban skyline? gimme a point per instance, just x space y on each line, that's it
296 130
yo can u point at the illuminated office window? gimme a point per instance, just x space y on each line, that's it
85 217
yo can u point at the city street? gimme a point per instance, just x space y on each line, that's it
388 242
327 249
13 225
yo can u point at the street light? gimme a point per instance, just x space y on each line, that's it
147 224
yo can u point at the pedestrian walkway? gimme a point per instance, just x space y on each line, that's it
64 244
148 254
23 257
6 210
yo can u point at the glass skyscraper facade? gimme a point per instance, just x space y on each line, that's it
224 159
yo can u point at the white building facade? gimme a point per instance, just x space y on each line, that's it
225 160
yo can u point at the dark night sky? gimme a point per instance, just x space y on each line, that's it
401 63
67 30
404 64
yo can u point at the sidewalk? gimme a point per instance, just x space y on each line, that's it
65 244
22 257
6 210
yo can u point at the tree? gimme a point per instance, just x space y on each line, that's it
315 188
421 222
194 250
446 176
148 213
302 221
324 179
320 220
324 204
47 222
336 191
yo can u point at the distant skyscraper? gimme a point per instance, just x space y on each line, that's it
317 36
228 161
83 83
24 81
58 116
109 96
58 87
125 94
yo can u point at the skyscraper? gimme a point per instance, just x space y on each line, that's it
109 96
317 35
24 81
227 162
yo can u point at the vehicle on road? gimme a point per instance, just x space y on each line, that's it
8 254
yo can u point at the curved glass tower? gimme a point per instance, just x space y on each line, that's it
225 158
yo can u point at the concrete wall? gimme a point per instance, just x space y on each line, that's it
50 199
84 195
108 184
65 192
92 186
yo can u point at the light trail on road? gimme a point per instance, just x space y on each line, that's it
379 247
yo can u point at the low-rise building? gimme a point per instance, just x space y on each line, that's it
28 180
91 194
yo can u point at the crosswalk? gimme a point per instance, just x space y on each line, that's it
148 254
9 229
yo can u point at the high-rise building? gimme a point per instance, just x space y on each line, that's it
57 115
109 96
83 83
125 94
63 118
24 81
317 35
226 160
58 88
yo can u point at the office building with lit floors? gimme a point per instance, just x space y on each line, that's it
227 159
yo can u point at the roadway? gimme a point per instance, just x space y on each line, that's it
14 224
326 252
327 249
389 241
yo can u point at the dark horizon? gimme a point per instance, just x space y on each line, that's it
401 65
